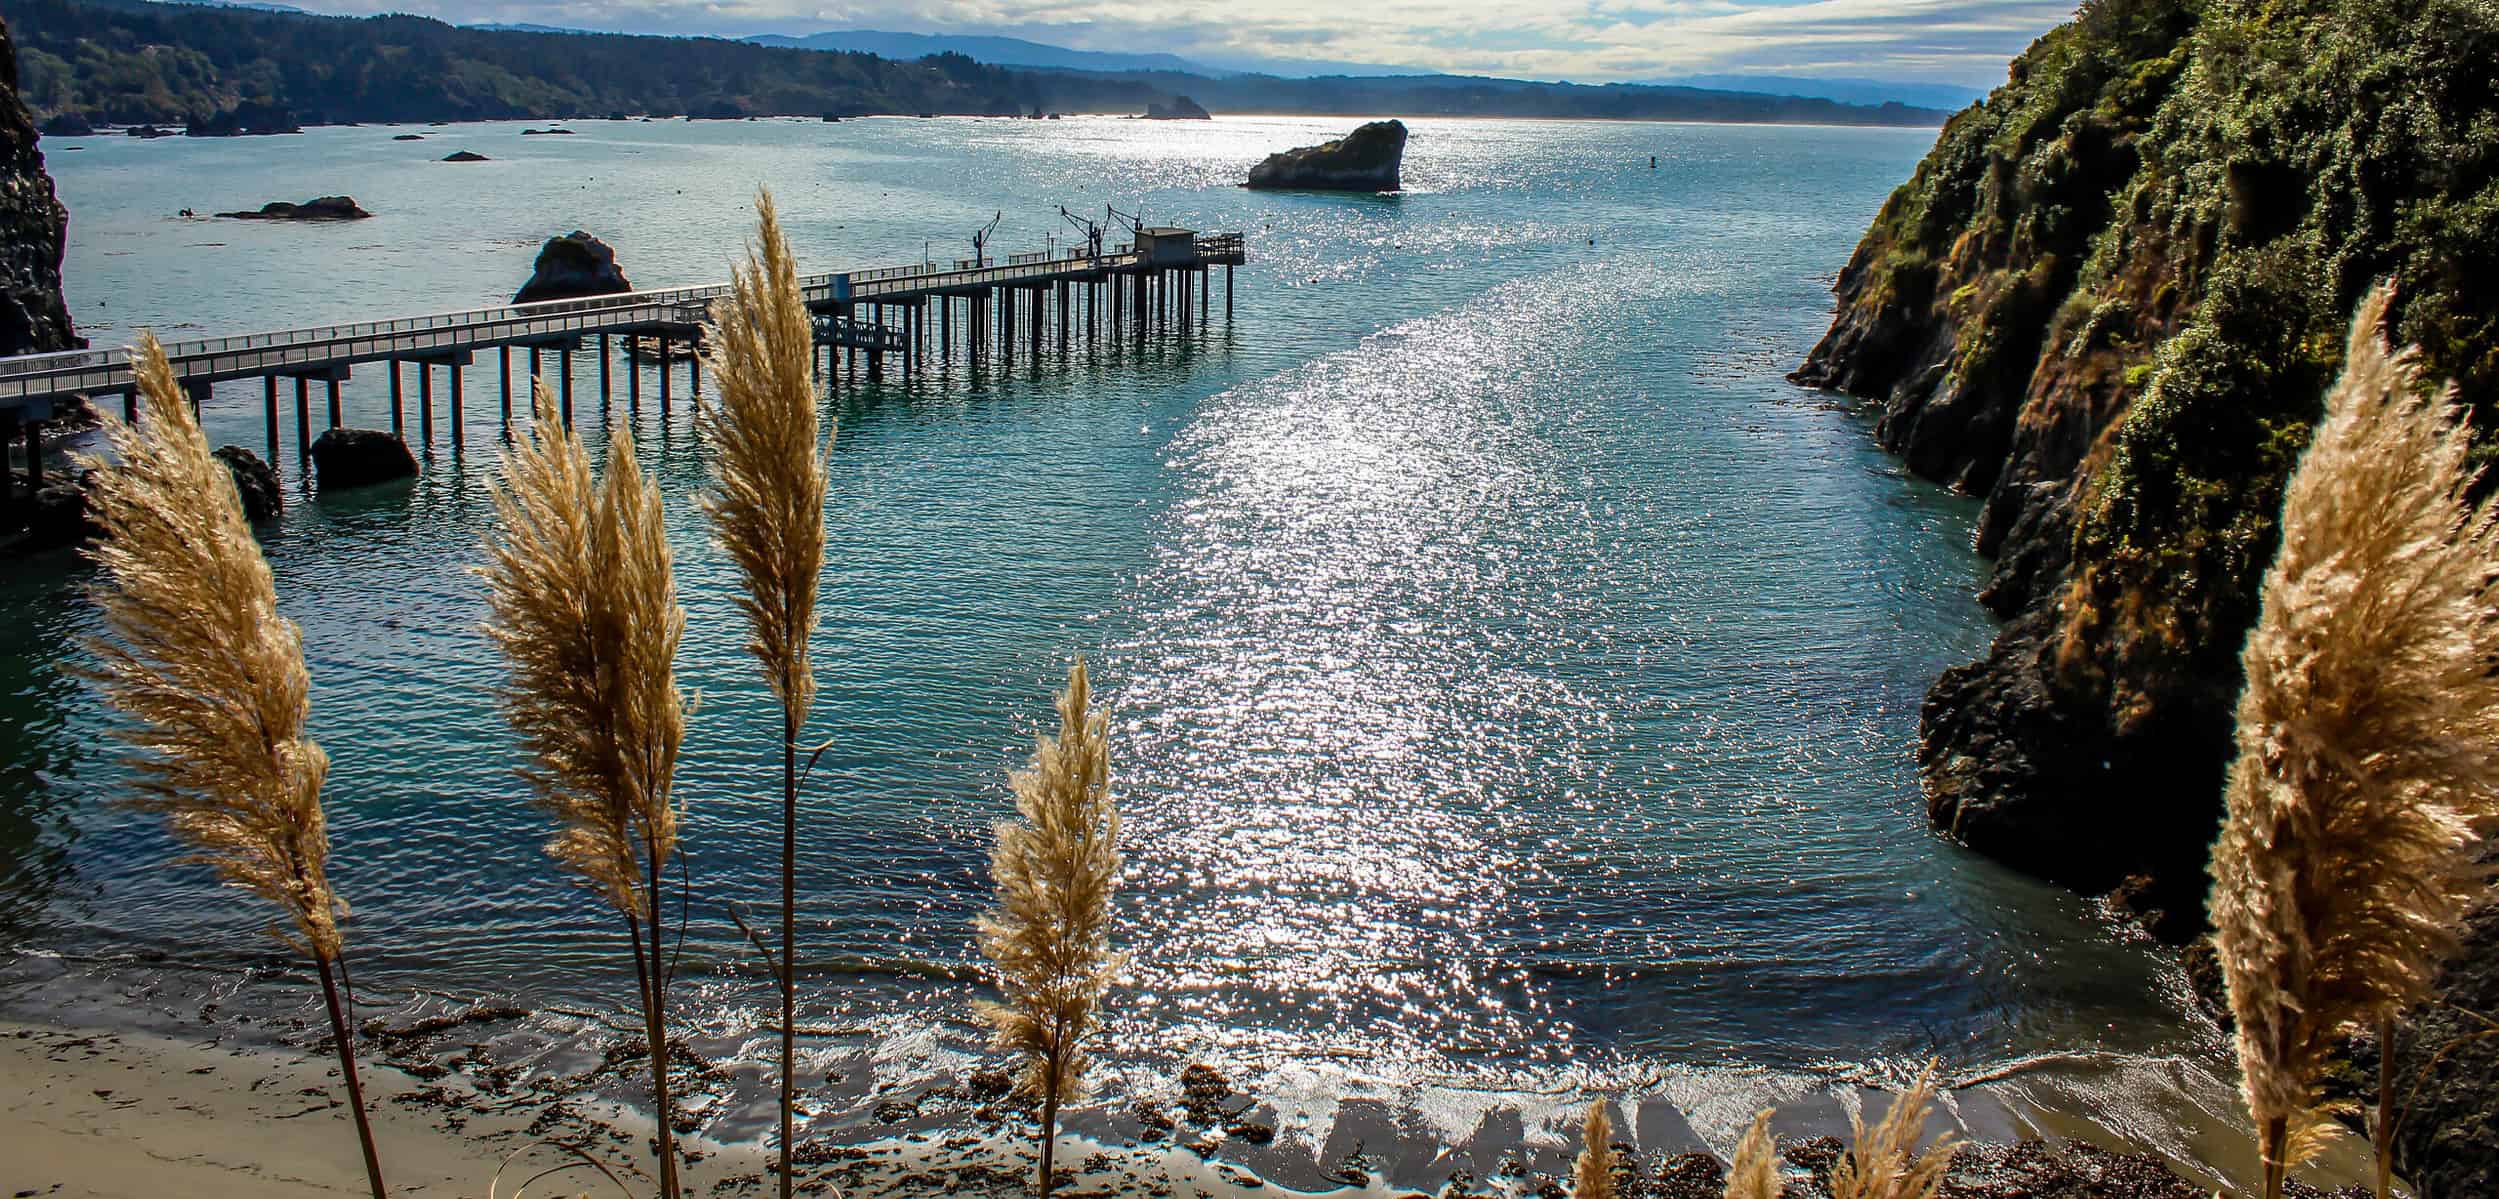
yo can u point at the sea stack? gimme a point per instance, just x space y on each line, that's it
1366 160
571 267
1181 108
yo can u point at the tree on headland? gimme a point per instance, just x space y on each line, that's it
2368 746
583 603
196 652
1048 940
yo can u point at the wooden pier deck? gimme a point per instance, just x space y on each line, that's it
863 320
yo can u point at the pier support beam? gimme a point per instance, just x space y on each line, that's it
633 374
398 418
506 351
269 411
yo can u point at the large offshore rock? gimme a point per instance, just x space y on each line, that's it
255 481
61 513
69 124
1181 108
571 267
319 208
1365 160
33 227
346 458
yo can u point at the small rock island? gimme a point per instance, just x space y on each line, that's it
1366 160
323 208
1181 108
573 267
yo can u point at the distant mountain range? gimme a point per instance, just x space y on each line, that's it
1948 96
996 51
132 61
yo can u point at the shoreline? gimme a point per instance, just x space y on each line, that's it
243 1107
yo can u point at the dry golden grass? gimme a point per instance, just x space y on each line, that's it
2367 739
197 653
583 603
214 681
1754 1174
1592 1176
1883 1162
1049 936
768 512
768 505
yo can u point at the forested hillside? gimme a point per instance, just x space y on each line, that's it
131 61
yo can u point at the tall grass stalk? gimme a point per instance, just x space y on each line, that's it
1049 936
768 511
2368 744
1883 1162
584 608
1592 1175
197 654
1754 1173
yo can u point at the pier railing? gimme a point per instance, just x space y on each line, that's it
303 351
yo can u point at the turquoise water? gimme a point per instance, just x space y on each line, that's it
1512 677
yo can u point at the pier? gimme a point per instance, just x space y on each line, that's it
870 323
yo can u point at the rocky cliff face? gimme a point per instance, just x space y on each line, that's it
2109 302
33 225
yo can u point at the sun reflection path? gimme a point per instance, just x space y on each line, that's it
1336 711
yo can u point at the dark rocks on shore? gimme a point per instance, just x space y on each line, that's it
33 227
571 267
324 208
255 482
147 131
1181 108
249 119
68 124
544 132
347 458
61 513
408 137
464 156
1368 159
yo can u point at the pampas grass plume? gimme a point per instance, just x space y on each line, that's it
583 604
1883 1162
1049 936
2368 739
214 680
1754 1174
1592 1176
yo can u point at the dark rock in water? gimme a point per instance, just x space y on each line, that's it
251 118
68 124
1181 108
33 225
1365 160
325 208
147 131
543 132
571 267
62 513
408 137
464 156
832 119
255 481
345 458
717 110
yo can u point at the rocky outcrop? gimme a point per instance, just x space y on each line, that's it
323 208
348 458
2109 302
1368 159
571 267
255 482
33 230
464 156
1181 108
68 124
252 118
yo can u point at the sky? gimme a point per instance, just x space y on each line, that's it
1964 42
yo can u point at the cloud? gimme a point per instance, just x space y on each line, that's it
1947 41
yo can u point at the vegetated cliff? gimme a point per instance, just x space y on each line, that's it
2109 302
33 227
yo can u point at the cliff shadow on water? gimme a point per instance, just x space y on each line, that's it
2109 302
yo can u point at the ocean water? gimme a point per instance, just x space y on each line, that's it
1512 678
